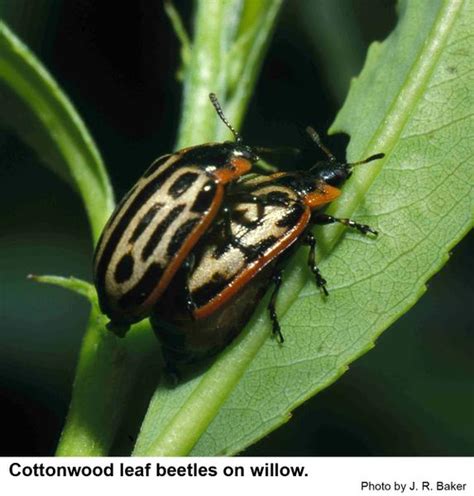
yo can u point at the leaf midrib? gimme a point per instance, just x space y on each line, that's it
384 138
400 110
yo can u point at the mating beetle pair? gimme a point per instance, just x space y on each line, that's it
194 245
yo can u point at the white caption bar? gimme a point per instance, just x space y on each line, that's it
232 476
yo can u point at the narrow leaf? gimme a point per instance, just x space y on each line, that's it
34 106
71 283
413 101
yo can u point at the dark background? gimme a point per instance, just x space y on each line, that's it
412 395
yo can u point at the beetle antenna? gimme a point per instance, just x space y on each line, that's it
220 113
316 138
377 156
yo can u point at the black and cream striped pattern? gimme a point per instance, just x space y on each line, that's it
155 226
260 233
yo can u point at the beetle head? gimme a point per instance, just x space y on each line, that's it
245 151
332 171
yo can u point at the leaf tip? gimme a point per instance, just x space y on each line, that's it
38 278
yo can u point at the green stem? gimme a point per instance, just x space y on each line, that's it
259 20
35 107
204 74
98 371
105 376
230 42
229 67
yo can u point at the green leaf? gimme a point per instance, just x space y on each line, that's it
229 43
34 106
413 101
109 373
74 284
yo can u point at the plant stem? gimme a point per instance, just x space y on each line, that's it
108 366
230 41
204 74
105 376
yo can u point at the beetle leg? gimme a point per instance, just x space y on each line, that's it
329 219
276 329
310 240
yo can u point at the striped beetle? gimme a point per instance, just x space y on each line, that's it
234 263
158 222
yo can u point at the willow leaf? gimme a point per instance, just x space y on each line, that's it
413 101
35 107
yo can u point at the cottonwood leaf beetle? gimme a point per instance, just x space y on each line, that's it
158 222
234 263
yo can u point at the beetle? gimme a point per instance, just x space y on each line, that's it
158 222
232 266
